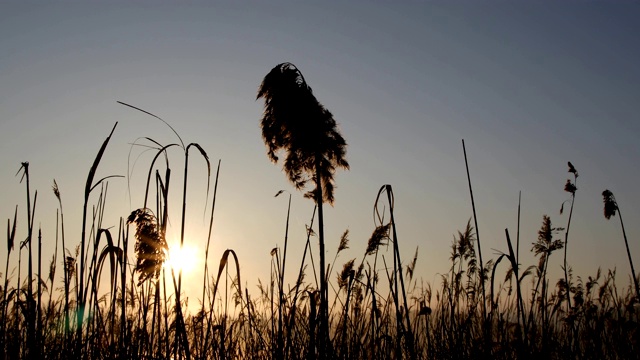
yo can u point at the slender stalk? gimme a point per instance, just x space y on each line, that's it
634 275
206 252
11 233
39 329
396 249
281 299
123 322
56 192
518 231
475 220
292 311
324 310
514 266
566 241
80 297
30 309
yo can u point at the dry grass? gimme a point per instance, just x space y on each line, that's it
381 309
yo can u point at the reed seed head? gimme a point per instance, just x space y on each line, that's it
610 204
570 187
379 236
346 274
572 169
56 190
151 247
344 241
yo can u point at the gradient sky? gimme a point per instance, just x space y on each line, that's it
529 86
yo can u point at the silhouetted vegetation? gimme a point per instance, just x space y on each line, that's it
108 306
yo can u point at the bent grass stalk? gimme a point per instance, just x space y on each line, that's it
610 208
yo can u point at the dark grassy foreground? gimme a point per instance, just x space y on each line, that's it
110 306
374 313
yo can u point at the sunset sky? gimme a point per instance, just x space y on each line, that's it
527 86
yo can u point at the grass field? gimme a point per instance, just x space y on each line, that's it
93 301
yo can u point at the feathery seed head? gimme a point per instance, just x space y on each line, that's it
570 187
379 236
572 169
151 247
56 190
346 274
610 204
344 241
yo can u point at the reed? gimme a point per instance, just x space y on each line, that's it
571 188
610 209
133 308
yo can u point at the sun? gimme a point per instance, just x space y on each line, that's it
181 259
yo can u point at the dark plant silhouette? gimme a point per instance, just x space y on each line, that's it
482 269
295 122
543 248
571 188
151 247
610 208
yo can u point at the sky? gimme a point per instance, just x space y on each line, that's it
527 85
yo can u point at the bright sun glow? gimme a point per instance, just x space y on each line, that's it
181 259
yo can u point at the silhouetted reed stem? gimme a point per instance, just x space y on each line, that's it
610 208
565 268
396 250
634 276
39 329
31 327
80 295
475 221
206 251
294 302
324 306
281 299
11 234
514 265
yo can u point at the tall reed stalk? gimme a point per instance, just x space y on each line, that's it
81 294
31 316
11 236
475 221
610 208
570 188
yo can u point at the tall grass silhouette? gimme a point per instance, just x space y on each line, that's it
295 122
109 305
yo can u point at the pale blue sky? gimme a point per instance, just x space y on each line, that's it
528 86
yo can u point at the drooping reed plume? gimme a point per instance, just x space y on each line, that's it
610 208
294 121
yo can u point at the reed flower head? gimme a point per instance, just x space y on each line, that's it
346 274
11 231
570 187
545 244
151 247
70 265
610 205
344 241
379 236
572 169
56 190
